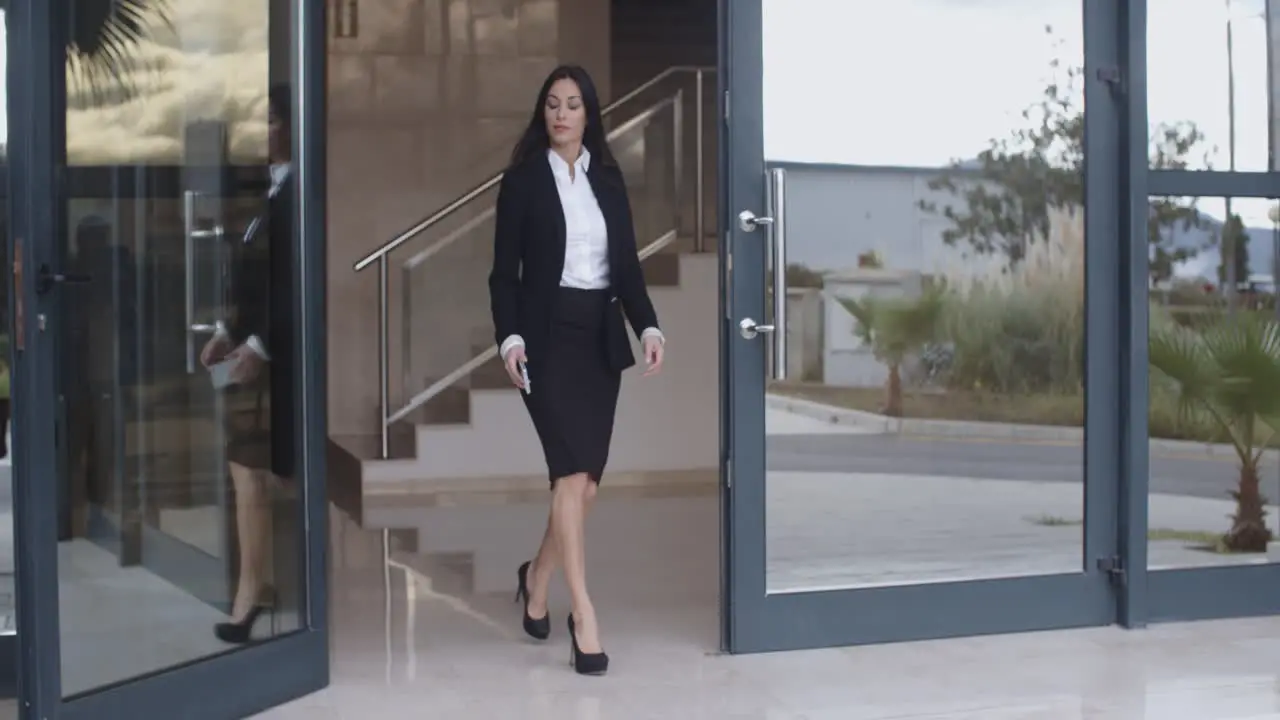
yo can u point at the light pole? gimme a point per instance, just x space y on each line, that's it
1229 250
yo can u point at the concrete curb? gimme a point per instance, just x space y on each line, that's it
972 430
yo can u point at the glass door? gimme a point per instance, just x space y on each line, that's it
167 226
920 332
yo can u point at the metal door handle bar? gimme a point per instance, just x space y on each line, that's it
749 221
750 329
777 192
190 233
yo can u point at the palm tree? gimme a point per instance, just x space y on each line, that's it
102 33
895 329
1230 374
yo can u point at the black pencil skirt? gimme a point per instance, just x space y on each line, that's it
575 390
259 422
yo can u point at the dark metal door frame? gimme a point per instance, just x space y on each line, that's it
758 621
238 683
1180 593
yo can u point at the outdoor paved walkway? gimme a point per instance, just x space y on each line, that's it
841 529
846 507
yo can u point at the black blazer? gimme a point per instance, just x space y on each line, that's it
528 257
262 303
261 282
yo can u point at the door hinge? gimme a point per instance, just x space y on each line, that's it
1114 79
728 473
1114 568
726 106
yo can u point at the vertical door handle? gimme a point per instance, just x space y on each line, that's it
777 199
191 233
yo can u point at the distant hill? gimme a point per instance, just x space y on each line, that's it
1206 262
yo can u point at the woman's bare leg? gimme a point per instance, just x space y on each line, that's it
253 528
548 558
568 511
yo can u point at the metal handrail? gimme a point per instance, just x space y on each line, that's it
474 363
493 182
381 256
435 247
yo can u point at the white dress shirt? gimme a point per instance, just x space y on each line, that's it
586 249
279 173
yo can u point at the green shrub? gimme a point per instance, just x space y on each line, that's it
1022 331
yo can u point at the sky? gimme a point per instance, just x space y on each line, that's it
925 82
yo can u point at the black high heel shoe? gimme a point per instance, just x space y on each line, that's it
240 633
586 663
538 628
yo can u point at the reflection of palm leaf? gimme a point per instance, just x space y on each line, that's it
102 36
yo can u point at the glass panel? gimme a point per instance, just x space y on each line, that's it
929 428
1208 90
179 506
442 287
1196 446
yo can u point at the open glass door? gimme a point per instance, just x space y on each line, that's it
166 184
913 323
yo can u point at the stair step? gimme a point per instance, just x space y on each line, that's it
452 405
368 446
662 270
489 376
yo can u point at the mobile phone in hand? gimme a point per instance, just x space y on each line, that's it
524 378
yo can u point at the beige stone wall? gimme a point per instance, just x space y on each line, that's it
424 104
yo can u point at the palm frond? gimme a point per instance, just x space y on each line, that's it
102 37
1181 356
896 327
1229 372
1246 350
864 317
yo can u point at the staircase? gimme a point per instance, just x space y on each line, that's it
451 422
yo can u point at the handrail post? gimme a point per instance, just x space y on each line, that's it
677 146
699 170
384 355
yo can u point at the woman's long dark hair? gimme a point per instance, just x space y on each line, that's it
535 141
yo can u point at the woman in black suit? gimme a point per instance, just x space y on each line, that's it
257 342
565 269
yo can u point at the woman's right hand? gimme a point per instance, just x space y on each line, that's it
514 357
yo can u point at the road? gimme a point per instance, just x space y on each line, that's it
1189 474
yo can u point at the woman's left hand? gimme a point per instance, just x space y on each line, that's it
653 355
248 364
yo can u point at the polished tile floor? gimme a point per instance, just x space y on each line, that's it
435 635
